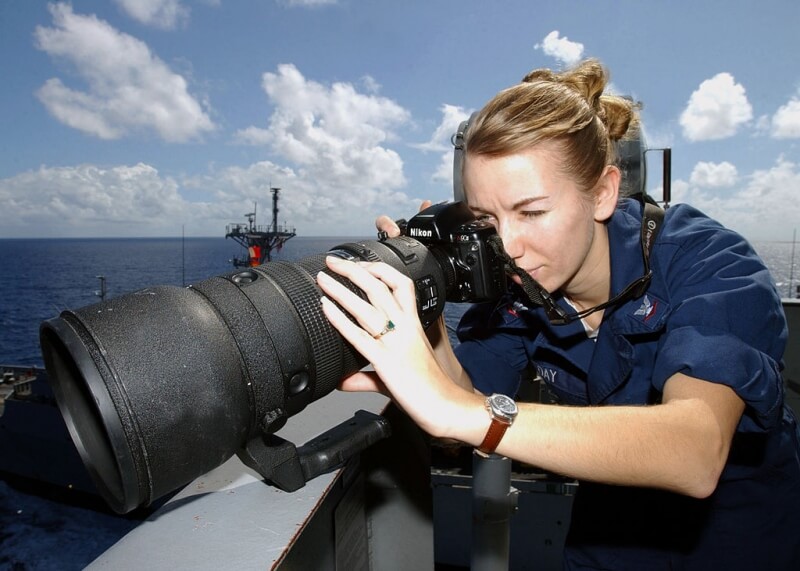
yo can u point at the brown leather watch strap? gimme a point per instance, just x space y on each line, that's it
493 436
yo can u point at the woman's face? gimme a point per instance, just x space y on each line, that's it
549 227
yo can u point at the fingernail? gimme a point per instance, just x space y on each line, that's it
323 277
333 259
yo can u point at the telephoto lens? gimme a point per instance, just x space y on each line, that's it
161 385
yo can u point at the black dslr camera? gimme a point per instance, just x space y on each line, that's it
475 272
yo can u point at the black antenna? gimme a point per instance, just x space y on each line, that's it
275 191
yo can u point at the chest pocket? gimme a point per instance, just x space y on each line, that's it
565 381
610 371
622 369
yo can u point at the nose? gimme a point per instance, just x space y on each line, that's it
511 235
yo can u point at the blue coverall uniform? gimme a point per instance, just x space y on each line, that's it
712 312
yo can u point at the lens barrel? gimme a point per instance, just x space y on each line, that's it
163 384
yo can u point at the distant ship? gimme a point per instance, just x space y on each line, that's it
259 241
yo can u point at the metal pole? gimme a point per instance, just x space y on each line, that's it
101 293
667 177
493 503
275 192
791 264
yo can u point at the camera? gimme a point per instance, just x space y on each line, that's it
461 244
160 385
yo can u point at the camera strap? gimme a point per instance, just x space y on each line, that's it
652 219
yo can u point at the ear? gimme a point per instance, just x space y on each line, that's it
606 193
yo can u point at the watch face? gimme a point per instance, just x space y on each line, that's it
504 405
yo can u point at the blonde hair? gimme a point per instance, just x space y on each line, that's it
567 107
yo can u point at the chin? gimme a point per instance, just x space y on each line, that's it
517 280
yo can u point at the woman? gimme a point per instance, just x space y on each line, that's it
685 452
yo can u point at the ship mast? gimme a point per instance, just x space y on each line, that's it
259 241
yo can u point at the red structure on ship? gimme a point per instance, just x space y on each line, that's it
259 241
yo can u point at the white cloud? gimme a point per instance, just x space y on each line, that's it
452 116
758 207
714 175
88 200
716 109
762 125
336 138
342 175
561 48
786 121
310 205
441 142
129 88
370 84
163 14
137 200
334 133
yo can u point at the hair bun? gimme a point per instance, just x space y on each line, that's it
588 80
567 107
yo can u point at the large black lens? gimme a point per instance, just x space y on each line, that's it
163 384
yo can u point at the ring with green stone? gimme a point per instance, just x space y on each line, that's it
386 329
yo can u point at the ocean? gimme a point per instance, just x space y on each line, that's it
41 277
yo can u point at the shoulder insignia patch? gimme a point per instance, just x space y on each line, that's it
647 309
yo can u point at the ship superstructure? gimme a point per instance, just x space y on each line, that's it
259 241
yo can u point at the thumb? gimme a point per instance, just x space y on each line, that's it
363 381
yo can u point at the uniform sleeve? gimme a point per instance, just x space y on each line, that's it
727 324
493 356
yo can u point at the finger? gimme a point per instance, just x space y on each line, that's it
361 340
425 204
363 381
378 293
385 224
401 286
371 319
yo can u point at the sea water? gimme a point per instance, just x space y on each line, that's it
41 277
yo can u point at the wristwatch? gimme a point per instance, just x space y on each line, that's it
503 410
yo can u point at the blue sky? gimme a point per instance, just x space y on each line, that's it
149 117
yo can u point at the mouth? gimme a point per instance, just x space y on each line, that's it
532 273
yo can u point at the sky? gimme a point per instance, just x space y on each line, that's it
140 118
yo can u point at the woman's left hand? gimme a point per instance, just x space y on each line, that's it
389 335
